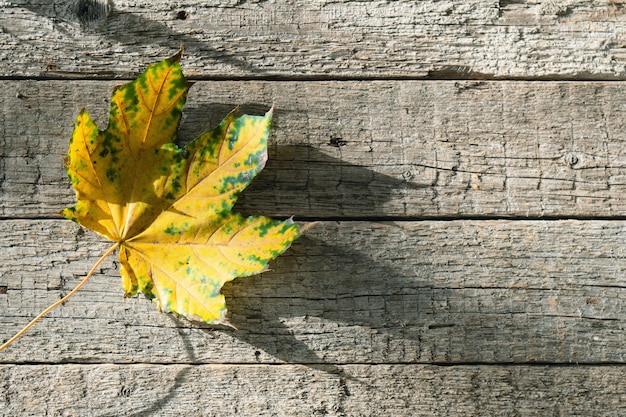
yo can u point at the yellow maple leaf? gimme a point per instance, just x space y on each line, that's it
169 208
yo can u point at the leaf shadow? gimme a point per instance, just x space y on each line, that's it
314 182
317 298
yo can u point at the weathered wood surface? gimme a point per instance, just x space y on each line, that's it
457 314
226 38
348 292
296 390
365 149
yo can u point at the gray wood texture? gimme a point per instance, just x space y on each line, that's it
300 390
327 38
348 292
465 162
365 149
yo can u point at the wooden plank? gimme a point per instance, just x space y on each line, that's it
364 149
434 317
475 38
296 390
349 292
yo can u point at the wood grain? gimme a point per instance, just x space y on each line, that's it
294 39
455 142
296 390
346 293
364 149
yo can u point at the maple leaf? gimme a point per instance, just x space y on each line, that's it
169 208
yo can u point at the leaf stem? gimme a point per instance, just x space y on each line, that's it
62 300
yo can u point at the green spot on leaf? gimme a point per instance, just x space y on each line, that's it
112 174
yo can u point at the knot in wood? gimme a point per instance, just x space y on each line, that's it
125 392
90 12
571 160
